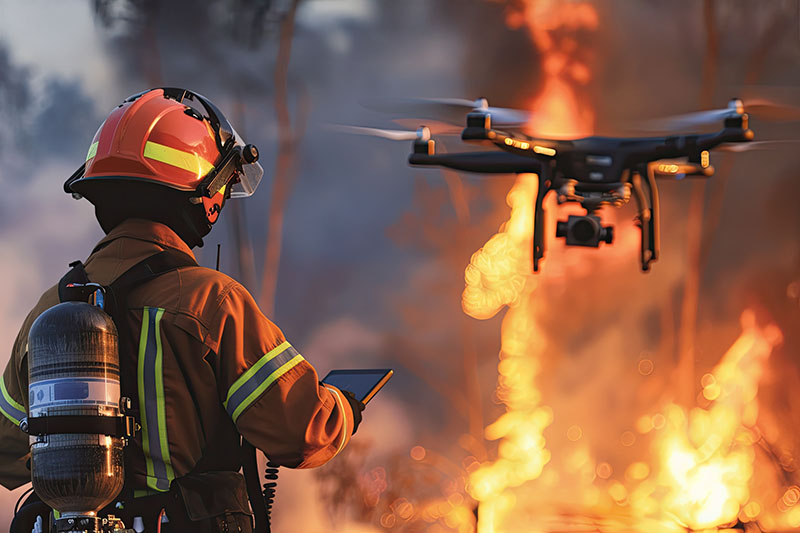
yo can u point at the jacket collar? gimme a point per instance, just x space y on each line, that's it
148 231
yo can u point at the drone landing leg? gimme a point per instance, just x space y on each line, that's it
655 215
649 244
538 216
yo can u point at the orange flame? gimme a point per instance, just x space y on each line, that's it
706 456
555 27
500 274
699 474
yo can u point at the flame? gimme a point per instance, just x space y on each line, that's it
500 274
555 27
706 455
699 473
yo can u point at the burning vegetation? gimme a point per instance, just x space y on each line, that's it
702 464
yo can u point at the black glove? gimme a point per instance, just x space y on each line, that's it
357 406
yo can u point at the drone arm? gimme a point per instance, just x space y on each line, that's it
523 147
481 162
727 135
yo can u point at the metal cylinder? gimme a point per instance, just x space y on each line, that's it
73 365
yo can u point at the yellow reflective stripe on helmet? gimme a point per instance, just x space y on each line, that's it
177 158
92 150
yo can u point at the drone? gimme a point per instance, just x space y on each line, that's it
592 171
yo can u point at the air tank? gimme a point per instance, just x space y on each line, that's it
73 365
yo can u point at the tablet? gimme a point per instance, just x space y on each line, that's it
364 384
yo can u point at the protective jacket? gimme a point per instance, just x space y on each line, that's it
208 367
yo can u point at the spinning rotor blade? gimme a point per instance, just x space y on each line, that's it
505 116
760 108
757 145
392 135
448 109
772 111
687 121
436 127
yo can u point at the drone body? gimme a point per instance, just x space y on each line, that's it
592 171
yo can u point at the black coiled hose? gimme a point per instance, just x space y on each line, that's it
260 500
271 475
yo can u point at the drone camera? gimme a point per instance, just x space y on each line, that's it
586 230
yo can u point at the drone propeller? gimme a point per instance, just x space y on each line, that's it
423 133
762 108
757 145
772 111
447 109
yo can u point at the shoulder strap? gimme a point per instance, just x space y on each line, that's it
76 287
144 271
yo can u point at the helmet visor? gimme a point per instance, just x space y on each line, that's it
249 177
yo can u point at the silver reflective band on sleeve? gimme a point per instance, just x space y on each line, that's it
152 407
252 384
10 407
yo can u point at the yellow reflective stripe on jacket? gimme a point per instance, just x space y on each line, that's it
9 406
250 385
177 158
152 407
92 150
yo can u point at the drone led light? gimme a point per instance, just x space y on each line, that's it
544 150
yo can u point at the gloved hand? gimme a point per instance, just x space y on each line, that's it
357 407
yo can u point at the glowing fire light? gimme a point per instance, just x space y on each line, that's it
706 455
699 474
499 275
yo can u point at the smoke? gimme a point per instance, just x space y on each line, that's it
373 256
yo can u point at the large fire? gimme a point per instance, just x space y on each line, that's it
499 275
698 473
705 456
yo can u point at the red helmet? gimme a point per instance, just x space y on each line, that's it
156 137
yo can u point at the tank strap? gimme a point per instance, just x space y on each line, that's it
115 426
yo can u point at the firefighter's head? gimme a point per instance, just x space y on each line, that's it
167 155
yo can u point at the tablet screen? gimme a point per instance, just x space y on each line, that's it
364 384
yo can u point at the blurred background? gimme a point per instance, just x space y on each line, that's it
589 397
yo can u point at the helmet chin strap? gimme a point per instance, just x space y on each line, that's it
196 233
211 207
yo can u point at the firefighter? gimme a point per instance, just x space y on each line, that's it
201 363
